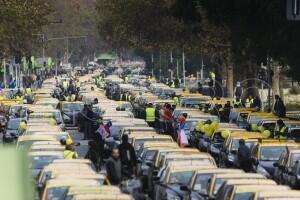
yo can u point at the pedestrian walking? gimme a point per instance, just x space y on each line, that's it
279 107
114 168
128 157
150 115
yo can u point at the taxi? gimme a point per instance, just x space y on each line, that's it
47 147
217 139
255 117
232 184
102 196
277 195
248 191
57 188
83 176
173 178
58 135
69 168
43 128
138 139
267 152
40 159
231 145
194 100
285 171
131 129
104 189
47 102
25 141
200 180
218 179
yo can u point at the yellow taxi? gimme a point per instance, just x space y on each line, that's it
104 189
267 152
57 188
102 196
47 147
277 195
25 141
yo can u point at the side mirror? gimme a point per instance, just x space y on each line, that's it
185 188
234 151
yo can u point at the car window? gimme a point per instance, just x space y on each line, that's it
201 183
182 178
244 196
295 158
13 124
271 153
39 162
56 193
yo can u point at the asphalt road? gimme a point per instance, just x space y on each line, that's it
78 137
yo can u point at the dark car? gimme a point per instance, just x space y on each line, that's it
11 132
69 111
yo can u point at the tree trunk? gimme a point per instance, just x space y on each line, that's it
229 81
276 79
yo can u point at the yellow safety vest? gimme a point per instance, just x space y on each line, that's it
150 115
65 84
28 91
121 97
18 98
176 99
70 154
282 135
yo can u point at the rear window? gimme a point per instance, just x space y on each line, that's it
271 153
182 178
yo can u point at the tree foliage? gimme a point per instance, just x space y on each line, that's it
20 21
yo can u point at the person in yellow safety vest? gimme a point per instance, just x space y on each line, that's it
70 151
129 97
52 122
65 84
249 101
121 96
172 84
22 127
281 130
176 100
237 101
126 79
212 75
28 91
150 115
126 96
19 98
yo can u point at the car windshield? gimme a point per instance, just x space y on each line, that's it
39 162
271 153
182 178
295 158
13 124
72 106
201 183
57 193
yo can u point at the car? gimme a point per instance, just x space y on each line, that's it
69 112
40 159
231 185
248 191
25 141
102 196
267 152
11 131
47 147
231 144
57 188
286 168
277 195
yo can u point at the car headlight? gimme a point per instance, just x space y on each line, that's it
230 157
172 196
262 171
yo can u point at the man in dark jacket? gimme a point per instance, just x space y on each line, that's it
128 157
114 168
279 107
243 156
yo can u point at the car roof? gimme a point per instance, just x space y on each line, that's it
260 187
102 196
244 175
93 189
250 182
46 153
36 137
59 182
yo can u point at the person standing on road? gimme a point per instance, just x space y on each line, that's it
114 167
281 130
128 157
150 115
93 155
279 107
243 156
